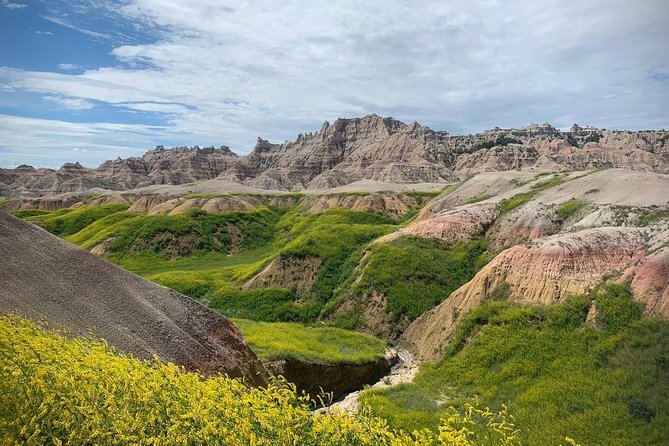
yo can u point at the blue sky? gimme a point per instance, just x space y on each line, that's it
89 80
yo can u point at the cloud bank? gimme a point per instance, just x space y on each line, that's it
218 72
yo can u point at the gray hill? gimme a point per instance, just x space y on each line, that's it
43 276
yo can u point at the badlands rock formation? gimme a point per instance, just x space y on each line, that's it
350 150
543 273
74 289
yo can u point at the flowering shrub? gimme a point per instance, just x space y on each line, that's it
56 389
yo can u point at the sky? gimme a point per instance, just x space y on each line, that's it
90 80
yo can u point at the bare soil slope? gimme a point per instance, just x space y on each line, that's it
43 276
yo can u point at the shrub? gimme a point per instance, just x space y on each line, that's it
76 391
567 209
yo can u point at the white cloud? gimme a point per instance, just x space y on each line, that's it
69 66
13 5
226 72
62 22
156 107
70 103
44 33
46 142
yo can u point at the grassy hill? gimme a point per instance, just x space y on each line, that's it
604 382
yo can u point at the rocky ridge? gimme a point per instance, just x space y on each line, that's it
349 150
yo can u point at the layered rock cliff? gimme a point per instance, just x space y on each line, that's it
349 150
543 273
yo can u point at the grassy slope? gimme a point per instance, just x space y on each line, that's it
66 222
317 344
77 391
191 253
414 274
560 375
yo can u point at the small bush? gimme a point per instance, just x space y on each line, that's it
568 208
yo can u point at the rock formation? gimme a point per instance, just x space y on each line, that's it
349 150
545 272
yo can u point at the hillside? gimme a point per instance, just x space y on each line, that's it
45 277
542 290
371 148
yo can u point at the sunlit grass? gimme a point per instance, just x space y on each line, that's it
316 344
560 375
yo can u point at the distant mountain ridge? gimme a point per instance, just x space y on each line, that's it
373 147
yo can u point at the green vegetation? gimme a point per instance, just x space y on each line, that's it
208 256
501 291
506 140
502 140
316 344
265 304
593 137
508 204
560 375
477 199
415 274
25 213
56 390
653 216
184 234
568 208
66 222
338 237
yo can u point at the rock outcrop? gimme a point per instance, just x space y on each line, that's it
334 379
350 150
296 273
545 272
74 289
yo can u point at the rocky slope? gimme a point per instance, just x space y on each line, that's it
551 235
545 272
76 290
617 228
349 150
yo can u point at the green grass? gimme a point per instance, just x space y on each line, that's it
568 209
560 376
25 213
509 204
316 344
194 253
182 235
477 199
337 236
65 222
415 274
653 216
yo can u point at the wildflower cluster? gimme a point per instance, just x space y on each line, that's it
57 389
